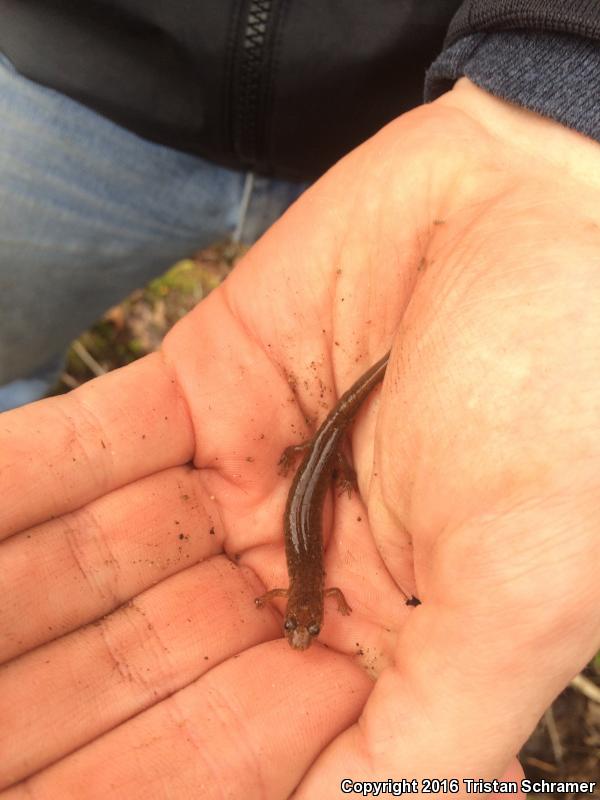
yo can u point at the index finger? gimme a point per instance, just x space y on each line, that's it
62 452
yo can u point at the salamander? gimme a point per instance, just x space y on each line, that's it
303 528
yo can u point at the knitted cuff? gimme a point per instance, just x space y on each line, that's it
555 74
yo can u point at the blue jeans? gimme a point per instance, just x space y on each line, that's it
89 212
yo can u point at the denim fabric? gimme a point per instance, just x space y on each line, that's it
89 212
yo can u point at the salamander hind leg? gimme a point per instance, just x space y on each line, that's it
342 603
259 602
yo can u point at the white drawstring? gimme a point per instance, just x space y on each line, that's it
246 195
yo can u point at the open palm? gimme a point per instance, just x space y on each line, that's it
143 513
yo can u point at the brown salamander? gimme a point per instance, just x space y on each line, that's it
304 511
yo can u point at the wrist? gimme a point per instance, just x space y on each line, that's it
569 152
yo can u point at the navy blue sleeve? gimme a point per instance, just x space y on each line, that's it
543 55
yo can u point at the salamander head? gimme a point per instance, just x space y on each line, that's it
301 628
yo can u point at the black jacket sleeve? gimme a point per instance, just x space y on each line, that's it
543 55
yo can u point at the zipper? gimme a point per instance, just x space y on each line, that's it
251 77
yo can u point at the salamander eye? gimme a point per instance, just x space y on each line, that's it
290 624
314 629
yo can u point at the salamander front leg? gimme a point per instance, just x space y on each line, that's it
290 454
268 596
342 604
345 475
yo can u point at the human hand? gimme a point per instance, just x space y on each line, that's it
448 235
